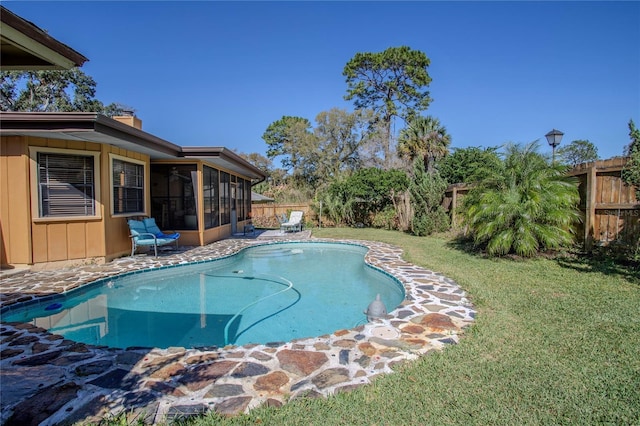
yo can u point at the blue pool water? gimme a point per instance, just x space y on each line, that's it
269 293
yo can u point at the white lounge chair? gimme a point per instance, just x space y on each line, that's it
294 223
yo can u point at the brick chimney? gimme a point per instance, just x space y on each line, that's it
129 120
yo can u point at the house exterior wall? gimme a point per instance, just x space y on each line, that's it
15 202
28 239
117 238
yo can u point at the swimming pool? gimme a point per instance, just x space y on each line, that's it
267 293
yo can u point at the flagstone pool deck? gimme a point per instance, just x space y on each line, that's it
46 379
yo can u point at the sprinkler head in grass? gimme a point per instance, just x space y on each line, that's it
376 309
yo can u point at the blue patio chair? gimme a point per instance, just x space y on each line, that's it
150 224
142 236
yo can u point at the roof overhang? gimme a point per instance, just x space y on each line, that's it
87 127
224 158
24 46
259 198
93 127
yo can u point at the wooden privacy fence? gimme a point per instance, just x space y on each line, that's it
610 209
264 214
453 198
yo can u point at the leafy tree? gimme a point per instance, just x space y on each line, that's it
274 176
526 206
578 152
468 165
52 91
292 139
631 172
318 155
341 136
631 176
277 183
258 160
8 90
393 83
116 108
284 135
427 191
374 186
424 138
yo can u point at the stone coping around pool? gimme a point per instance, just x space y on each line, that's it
48 379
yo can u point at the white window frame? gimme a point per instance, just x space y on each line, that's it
35 184
145 185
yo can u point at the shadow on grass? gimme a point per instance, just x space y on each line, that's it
465 245
603 261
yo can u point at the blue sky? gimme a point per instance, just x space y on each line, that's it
218 73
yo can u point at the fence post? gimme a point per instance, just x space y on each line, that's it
454 204
590 209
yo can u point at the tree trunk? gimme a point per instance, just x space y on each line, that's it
404 210
387 143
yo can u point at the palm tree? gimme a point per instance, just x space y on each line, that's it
526 206
424 138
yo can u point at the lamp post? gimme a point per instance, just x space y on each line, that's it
554 137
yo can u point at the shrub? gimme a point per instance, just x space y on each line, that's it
430 222
427 191
526 206
386 219
358 198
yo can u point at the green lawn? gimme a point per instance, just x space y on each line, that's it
555 342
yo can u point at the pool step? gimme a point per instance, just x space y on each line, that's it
254 254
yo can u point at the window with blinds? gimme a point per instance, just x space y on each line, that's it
128 187
66 185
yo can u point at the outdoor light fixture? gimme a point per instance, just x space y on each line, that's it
554 137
